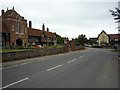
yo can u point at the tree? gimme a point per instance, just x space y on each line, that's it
82 39
60 40
116 15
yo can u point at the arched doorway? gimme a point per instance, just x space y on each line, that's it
19 42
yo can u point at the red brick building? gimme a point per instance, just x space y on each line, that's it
16 32
114 39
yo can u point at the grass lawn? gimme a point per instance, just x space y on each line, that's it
115 50
14 50
19 50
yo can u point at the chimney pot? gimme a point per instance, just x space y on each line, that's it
47 29
2 11
30 24
43 27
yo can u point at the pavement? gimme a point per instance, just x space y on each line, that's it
91 68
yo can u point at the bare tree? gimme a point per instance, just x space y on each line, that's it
116 14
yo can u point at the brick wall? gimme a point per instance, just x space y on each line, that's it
11 56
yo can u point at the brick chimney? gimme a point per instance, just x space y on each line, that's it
47 29
30 24
43 27
2 11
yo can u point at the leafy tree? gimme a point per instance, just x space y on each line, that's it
60 40
81 39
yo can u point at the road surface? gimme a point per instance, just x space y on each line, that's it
92 68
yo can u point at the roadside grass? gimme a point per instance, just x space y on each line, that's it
28 49
14 50
115 50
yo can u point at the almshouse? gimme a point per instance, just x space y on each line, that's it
16 32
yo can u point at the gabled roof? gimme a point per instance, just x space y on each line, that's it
101 33
12 14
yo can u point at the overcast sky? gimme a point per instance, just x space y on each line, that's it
67 17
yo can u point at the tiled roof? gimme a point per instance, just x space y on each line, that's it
114 36
49 34
38 32
34 32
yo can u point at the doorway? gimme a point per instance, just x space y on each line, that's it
19 42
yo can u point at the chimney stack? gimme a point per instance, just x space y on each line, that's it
47 29
7 8
13 8
2 11
43 27
30 24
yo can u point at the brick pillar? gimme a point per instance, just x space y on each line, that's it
67 45
73 45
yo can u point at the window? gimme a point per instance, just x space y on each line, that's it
116 39
25 44
13 27
12 44
17 27
22 29
25 29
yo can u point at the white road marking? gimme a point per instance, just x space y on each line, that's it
54 67
81 56
9 67
71 61
24 63
15 83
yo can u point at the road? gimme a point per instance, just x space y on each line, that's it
92 68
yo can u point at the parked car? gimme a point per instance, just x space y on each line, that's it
37 46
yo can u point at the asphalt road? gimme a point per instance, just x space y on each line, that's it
92 68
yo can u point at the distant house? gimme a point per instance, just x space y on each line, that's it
92 41
103 39
114 39
108 39
16 32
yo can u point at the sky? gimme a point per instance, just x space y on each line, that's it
68 18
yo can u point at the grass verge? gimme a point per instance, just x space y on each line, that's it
115 50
